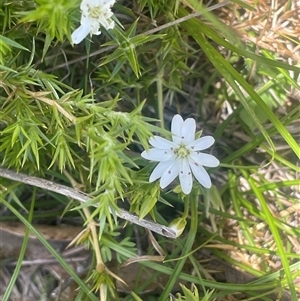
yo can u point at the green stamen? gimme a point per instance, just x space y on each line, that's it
182 152
94 12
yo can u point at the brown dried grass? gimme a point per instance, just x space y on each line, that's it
271 24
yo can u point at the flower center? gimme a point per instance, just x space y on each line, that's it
94 11
182 152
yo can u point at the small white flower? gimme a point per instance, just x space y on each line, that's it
182 156
93 14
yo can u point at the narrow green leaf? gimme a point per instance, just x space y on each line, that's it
232 76
21 256
12 43
277 238
58 257
146 206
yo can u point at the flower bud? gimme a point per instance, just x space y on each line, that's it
178 225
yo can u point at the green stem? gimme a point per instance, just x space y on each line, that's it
160 99
192 199
15 275
186 210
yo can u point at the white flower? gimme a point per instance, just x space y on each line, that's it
182 156
93 14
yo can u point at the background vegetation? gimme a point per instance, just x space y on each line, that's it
81 115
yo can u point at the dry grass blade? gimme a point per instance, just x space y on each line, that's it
272 25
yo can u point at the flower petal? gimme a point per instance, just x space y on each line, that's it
105 21
204 159
80 33
155 154
201 143
188 130
200 174
160 169
185 176
161 143
95 27
176 128
170 174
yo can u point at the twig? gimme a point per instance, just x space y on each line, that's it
82 197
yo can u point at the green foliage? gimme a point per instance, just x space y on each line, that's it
52 17
80 116
192 295
127 43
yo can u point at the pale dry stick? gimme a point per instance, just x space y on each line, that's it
43 261
151 31
82 197
100 266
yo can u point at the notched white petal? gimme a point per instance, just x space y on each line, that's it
188 130
185 177
201 143
106 22
161 143
169 175
95 28
80 33
204 159
176 128
155 154
160 169
200 174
